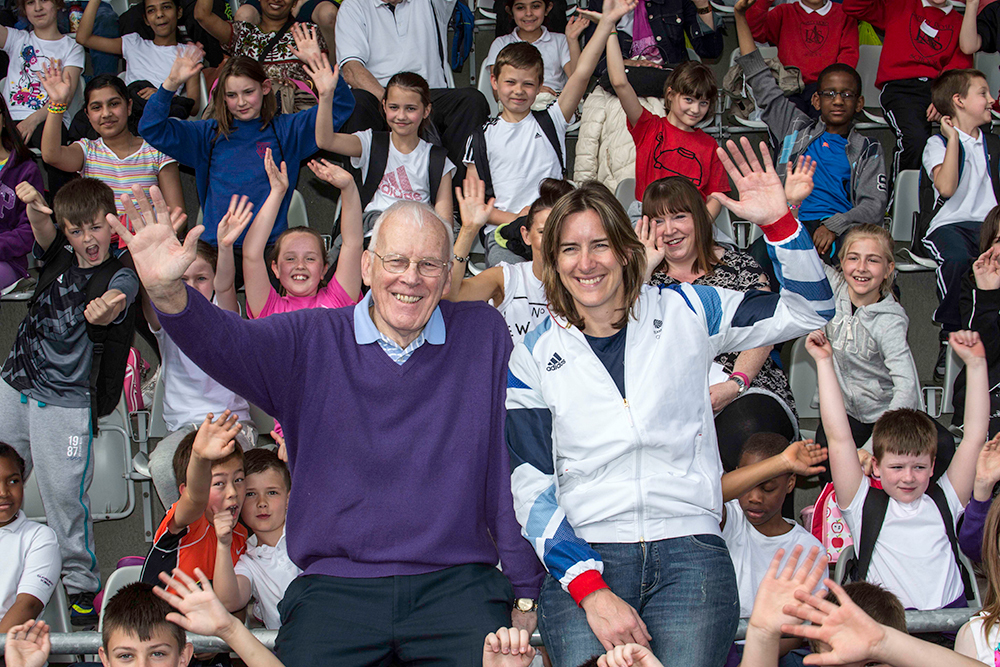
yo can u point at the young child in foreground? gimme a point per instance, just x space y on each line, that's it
265 570
141 627
208 465
912 555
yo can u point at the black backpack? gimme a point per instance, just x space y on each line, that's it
930 203
378 158
481 157
872 517
111 343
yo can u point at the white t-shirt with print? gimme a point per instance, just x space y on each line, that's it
912 556
146 61
554 48
29 55
406 177
524 304
752 551
520 157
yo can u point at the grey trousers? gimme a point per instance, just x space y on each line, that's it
57 446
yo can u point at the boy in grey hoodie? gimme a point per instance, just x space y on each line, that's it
850 180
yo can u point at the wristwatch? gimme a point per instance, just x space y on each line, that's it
740 382
525 605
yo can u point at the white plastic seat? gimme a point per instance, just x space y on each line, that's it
486 88
625 192
120 6
487 14
203 94
111 492
118 580
868 68
297 215
905 206
952 365
802 379
724 227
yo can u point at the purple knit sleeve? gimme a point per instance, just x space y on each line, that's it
970 533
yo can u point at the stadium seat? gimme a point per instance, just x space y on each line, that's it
952 365
118 580
765 52
905 205
803 382
868 67
120 6
486 88
112 495
297 215
625 192
989 64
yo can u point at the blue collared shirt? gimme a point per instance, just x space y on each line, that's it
365 332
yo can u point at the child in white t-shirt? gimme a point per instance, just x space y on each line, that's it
752 524
406 177
31 557
264 571
912 555
189 393
560 52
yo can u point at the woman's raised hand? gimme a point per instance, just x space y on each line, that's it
762 196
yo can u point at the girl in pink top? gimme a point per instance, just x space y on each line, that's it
299 258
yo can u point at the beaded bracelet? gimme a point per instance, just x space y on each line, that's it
794 207
57 108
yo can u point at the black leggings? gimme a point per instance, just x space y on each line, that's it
749 414
861 431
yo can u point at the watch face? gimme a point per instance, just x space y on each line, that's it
525 604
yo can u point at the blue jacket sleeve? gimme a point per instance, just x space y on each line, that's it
187 141
298 131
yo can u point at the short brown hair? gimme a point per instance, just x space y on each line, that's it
950 83
677 194
136 610
22 6
904 431
182 456
628 250
881 605
691 78
80 201
261 459
207 252
520 55
990 229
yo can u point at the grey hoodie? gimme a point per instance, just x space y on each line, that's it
871 355
795 131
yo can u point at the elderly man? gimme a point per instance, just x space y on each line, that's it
379 38
393 413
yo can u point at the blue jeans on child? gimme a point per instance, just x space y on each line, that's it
683 588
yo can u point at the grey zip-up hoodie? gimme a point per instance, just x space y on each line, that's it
871 355
794 131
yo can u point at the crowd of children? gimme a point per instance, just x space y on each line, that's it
900 482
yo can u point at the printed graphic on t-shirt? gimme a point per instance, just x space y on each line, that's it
814 34
396 184
678 161
929 40
28 91
7 198
262 147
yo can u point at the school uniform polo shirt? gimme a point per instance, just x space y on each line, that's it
31 561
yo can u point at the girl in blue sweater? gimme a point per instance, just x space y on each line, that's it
227 152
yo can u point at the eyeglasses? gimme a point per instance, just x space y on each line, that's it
428 267
845 95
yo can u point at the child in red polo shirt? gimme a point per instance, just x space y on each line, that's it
921 41
672 146
809 34
208 465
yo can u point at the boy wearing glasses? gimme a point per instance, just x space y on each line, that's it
850 181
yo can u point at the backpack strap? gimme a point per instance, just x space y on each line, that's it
937 495
97 285
872 517
481 159
437 158
273 42
544 120
378 158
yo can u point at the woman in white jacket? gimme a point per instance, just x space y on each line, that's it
616 473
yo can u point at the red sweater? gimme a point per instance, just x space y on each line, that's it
807 40
919 41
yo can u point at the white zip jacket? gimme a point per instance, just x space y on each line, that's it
589 466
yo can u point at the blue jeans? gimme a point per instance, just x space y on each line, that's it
683 588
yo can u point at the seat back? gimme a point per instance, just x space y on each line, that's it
952 365
868 57
802 379
989 64
905 204
297 215
486 88
118 580
625 192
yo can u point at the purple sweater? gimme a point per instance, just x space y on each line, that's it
396 470
15 230
970 533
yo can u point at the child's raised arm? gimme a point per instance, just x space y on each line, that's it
475 213
968 38
945 175
202 613
319 70
39 214
349 262
800 458
233 223
619 79
744 33
58 85
574 28
215 25
233 590
256 280
575 88
844 465
214 441
85 32
962 470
